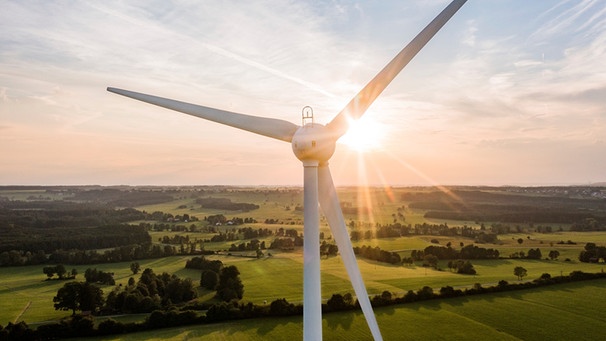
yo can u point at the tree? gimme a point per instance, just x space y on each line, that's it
60 270
337 302
49 271
230 286
67 297
520 240
554 254
534 254
431 261
78 296
135 268
520 272
209 279
91 297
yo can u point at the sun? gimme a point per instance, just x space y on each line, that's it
364 135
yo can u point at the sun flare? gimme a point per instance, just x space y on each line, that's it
364 135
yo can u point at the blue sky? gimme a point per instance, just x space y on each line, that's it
509 92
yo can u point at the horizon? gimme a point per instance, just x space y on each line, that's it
300 186
508 93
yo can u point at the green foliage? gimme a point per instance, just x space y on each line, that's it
201 263
503 206
209 279
59 269
225 204
78 296
135 268
376 253
51 239
520 272
592 253
99 276
230 286
462 267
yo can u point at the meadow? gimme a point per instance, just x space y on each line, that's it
26 295
563 312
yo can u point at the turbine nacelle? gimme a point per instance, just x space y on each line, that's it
313 142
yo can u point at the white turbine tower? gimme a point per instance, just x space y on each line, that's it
314 144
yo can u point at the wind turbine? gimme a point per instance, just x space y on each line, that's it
314 144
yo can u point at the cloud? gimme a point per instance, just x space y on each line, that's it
495 73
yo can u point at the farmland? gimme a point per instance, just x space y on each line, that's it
28 296
572 311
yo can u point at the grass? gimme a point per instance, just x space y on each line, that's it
561 312
27 296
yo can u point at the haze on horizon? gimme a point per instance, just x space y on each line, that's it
508 92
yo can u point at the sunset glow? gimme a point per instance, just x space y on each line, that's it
364 135
507 93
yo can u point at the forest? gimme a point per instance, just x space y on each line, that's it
509 206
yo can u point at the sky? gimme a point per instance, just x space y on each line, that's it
509 92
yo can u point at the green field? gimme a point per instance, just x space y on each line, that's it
562 312
27 296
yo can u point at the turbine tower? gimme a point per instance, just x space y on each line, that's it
314 144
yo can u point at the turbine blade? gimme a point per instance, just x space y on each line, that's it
329 202
360 103
270 127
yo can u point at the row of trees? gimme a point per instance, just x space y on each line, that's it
225 204
377 254
79 326
467 252
125 253
68 238
286 243
60 271
592 253
99 277
397 230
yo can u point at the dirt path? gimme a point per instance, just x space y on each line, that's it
22 311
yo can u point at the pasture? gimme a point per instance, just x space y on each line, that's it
563 312
27 295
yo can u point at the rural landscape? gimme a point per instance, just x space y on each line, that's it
151 262
122 220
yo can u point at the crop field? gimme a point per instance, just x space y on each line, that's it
562 312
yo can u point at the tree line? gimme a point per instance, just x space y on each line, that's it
84 326
225 204
592 253
66 238
397 230
478 205
81 257
470 251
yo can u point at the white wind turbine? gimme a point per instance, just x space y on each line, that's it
314 144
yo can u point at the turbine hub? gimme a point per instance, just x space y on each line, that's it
313 142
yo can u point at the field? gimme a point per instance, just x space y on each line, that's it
26 295
563 312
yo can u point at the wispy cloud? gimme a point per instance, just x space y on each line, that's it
502 76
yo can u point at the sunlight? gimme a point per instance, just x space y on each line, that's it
364 135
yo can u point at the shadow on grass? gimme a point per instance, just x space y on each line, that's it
341 320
